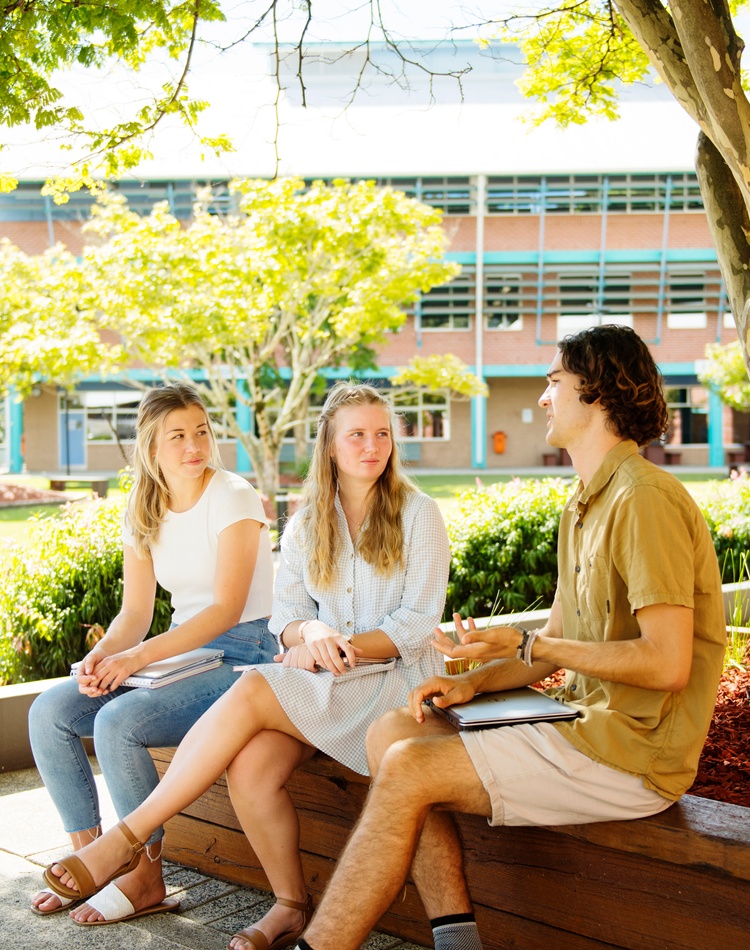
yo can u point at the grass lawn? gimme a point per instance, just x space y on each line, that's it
14 522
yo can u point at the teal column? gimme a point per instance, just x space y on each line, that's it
15 434
715 443
245 422
479 432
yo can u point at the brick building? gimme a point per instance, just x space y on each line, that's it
555 230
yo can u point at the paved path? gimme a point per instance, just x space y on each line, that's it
31 837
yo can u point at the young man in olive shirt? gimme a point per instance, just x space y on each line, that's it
638 625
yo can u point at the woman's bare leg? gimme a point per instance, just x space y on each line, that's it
257 786
211 744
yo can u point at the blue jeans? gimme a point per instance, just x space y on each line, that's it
124 724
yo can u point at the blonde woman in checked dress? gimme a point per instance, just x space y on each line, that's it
364 567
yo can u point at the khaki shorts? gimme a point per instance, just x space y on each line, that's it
535 777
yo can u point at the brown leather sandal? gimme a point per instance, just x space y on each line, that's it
256 940
80 873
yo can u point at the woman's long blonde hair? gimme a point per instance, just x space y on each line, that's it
382 538
149 497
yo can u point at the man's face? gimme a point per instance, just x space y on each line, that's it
567 417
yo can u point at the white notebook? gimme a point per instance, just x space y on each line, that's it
507 708
172 669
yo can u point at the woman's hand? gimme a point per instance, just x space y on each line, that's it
111 672
329 648
298 657
443 691
88 672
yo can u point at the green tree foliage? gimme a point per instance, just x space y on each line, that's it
59 586
296 280
504 547
44 332
440 371
41 39
726 374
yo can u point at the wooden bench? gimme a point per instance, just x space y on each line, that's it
679 880
99 486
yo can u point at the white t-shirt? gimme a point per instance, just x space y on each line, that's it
186 550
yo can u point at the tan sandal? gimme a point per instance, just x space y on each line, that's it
256 940
85 883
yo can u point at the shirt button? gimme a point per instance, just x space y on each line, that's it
579 525
348 590
348 623
578 613
578 568
573 688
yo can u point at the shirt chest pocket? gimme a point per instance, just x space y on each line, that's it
592 588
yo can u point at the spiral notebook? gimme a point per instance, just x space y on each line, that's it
507 708
175 668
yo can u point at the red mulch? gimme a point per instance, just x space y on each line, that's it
724 767
11 494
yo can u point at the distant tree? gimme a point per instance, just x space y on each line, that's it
726 375
44 331
295 281
441 371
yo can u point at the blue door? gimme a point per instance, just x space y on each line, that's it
72 439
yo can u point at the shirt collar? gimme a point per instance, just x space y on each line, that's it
584 494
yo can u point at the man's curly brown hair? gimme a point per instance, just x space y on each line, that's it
615 366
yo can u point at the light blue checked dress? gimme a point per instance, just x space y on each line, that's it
334 712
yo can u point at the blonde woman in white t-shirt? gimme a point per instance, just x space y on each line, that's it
201 533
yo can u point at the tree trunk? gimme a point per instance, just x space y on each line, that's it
729 222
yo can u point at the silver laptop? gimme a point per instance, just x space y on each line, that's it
507 708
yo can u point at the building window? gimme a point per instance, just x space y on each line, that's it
423 415
108 415
584 295
688 411
587 194
450 306
687 301
502 303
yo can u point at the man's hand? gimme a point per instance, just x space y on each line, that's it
443 691
494 643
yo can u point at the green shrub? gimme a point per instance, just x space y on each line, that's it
504 547
726 508
64 581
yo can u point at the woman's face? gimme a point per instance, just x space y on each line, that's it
183 446
362 442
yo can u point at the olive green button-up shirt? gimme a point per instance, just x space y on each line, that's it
631 538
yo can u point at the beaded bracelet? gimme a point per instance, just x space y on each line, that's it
522 645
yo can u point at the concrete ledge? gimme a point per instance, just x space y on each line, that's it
15 751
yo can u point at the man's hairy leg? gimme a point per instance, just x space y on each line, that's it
415 775
437 867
